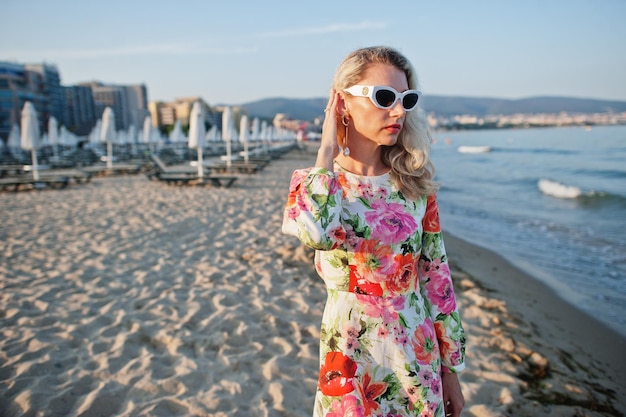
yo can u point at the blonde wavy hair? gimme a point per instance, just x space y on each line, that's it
412 171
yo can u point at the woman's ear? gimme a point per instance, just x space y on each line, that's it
342 104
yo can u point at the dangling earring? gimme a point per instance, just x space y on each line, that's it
346 150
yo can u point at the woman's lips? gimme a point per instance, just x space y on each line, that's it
393 128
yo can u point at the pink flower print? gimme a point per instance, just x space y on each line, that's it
350 334
293 212
439 287
352 344
425 376
413 394
351 330
385 307
348 406
425 343
364 190
399 333
383 332
427 412
352 240
435 386
389 222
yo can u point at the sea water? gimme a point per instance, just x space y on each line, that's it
552 201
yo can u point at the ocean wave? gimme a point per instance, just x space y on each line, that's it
558 190
588 198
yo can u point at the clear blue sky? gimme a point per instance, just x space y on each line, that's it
232 51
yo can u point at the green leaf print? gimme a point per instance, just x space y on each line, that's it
402 321
365 203
413 299
338 259
363 328
360 229
393 386
397 195
326 401
332 344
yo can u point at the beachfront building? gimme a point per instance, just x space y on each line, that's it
161 114
51 88
128 102
165 114
137 97
39 84
80 109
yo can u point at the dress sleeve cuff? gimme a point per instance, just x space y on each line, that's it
453 369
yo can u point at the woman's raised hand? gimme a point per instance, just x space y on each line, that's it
328 147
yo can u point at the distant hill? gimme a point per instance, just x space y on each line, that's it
310 108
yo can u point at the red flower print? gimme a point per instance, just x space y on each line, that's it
339 234
405 275
448 347
337 374
425 343
430 223
359 285
369 392
343 184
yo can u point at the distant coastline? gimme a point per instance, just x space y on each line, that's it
463 113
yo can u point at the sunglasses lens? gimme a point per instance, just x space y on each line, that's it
410 101
385 98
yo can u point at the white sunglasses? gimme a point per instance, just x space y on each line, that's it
385 97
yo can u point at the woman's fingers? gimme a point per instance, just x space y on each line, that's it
328 146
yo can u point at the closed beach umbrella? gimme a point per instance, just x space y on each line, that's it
177 135
94 135
227 133
197 133
30 139
108 133
15 137
211 135
131 134
147 130
53 134
256 127
244 135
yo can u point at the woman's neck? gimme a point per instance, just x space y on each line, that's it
372 165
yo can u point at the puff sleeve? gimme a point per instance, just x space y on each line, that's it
313 209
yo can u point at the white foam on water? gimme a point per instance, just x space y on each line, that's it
558 190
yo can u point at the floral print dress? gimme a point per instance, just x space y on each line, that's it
390 325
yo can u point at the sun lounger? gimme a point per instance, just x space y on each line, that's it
187 175
22 183
116 169
176 169
236 166
216 180
77 175
11 169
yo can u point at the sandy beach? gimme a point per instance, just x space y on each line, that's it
129 297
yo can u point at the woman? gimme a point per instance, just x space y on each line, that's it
391 337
